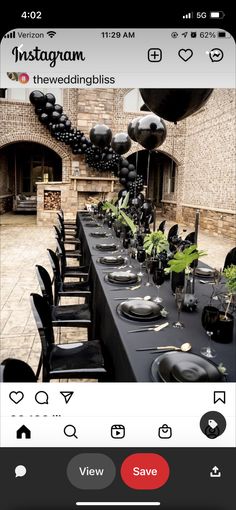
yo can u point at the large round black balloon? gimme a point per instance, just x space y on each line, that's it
63 118
121 143
124 162
175 104
50 98
123 180
100 135
58 108
55 117
37 98
131 127
49 108
150 132
132 175
44 118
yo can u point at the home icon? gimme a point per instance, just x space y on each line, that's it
23 433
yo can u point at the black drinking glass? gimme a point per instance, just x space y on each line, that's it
158 279
210 318
141 256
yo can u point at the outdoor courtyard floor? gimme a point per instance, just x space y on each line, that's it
23 244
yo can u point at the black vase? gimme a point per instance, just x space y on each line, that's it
177 280
224 329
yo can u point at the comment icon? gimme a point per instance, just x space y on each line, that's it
20 471
41 397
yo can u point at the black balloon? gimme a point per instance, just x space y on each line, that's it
123 180
124 171
150 132
44 118
55 117
121 143
131 128
100 135
58 108
37 98
38 111
67 124
132 175
131 167
124 162
50 98
49 108
63 118
175 104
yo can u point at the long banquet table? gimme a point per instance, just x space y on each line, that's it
128 365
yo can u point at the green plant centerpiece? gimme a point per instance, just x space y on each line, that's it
182 260
230 276
118 212
155 243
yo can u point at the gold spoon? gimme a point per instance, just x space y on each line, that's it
184 348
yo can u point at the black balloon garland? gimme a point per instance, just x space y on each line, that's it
99 154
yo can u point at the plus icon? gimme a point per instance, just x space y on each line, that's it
154 55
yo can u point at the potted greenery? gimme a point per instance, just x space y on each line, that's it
225 326
180 264
155 243
118 212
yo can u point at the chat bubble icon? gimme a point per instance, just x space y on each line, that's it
20 471
41 397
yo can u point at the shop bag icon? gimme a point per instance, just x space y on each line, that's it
165 432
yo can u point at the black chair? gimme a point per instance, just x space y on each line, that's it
68 234
64 236
70 254
67 224
190 238
78 315
70 289
162 226
173 232
16 371
70 271
78 360
230 258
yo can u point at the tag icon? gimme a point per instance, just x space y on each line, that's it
165 432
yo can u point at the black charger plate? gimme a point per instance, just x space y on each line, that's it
184 367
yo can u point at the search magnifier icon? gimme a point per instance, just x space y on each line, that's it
70 431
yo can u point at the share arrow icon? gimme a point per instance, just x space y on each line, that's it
67 395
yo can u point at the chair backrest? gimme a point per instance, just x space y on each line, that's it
230 258
16 370
45 284
173 231
42 315
55 265
162 226
58 232
190 237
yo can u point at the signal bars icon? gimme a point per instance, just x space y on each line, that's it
10 35
188 16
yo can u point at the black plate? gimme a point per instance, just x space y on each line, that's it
98 234
140 310
111 261
184 367
123 277
92 224
204 272
106 247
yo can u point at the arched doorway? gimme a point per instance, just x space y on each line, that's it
22 165
162 173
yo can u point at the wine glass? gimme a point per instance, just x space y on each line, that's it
210 317
126 245
179 298
148 269
158 279
141 255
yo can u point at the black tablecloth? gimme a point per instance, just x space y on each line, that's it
128 364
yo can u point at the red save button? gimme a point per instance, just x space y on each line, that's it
145 471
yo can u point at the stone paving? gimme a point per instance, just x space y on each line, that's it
23 245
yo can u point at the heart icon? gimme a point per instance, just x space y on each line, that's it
16 396
185 54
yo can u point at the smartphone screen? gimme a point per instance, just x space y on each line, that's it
118 260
